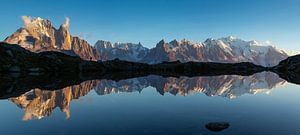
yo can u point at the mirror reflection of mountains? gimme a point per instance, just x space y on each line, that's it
39 103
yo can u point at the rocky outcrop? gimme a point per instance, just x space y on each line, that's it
289 69
14 58
63 38
84 50
40 35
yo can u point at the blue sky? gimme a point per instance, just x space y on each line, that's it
148 21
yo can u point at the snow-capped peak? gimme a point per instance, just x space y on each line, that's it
229 38
38 22
103 44
254 42
38 25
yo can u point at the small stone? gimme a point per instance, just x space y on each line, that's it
217 126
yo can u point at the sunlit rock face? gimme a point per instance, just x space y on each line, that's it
39 103
39 35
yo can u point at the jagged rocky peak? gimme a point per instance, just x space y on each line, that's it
123 51
101 44
160 43
124 46
229 38
63 36
185 41
174 42
37 24
39 35
35 34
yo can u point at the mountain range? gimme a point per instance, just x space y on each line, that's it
40 35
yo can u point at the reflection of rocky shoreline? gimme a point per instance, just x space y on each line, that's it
229 86
39 103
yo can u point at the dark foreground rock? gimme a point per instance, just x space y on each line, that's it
217 126
289 69
14 58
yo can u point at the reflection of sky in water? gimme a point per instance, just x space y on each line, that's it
151 113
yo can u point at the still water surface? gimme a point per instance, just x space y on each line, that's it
258 104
